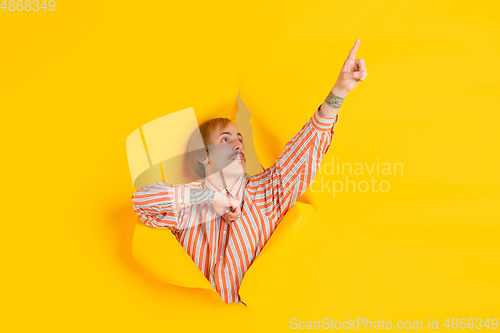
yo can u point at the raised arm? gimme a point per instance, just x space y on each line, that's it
287 179
293 172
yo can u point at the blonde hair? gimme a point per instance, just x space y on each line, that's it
196 141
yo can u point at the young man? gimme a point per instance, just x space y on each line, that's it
224 222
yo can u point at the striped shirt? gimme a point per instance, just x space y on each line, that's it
224 252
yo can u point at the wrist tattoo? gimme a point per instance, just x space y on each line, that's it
334 101
201 196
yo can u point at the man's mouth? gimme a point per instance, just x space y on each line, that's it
238 157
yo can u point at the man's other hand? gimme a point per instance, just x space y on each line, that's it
223 203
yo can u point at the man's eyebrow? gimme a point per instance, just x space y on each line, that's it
228 133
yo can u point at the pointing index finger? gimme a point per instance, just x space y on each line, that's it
352 53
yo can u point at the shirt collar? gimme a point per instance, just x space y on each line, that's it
233 189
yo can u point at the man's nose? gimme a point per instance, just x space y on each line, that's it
238 146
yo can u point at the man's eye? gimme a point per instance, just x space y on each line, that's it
224 139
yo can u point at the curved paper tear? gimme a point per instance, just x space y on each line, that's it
278 244
160 253
162 140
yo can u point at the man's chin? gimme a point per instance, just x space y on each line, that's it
235 168
238 169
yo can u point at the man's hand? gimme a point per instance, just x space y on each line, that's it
222 203
353 72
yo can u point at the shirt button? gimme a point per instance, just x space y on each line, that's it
180 200
220 280
221 257
224 231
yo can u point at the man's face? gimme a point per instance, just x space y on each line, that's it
226 152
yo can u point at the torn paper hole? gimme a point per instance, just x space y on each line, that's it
152 160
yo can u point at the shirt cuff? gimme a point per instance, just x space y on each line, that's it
323 124
181 197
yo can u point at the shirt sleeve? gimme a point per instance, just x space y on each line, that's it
279 186
161 205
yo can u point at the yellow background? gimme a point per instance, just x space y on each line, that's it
75 82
